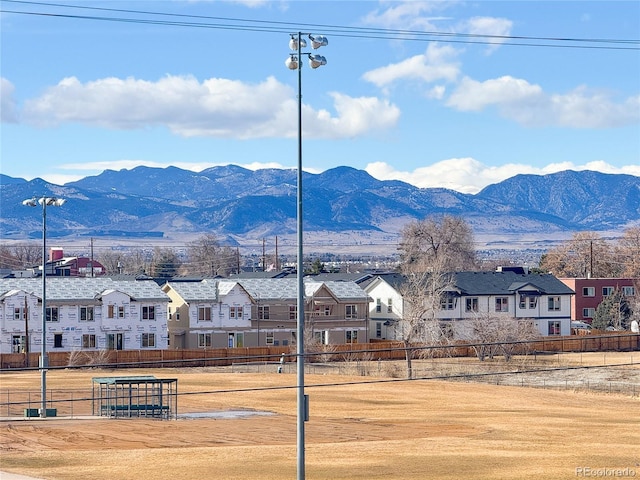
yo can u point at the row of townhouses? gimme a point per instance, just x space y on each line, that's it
104 313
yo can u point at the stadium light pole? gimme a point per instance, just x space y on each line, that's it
294 62
44 361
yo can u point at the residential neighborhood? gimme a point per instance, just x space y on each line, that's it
115 314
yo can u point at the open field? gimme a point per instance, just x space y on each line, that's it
393 429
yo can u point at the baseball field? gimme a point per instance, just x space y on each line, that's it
359 428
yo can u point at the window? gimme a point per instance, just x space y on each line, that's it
19 313
447 303
588 291
148 313
378 305
322 310
17 343
528 301
263 312
235 312
502 304
204 314
86 314
293 312
148 340
471 304
269 338
121 311
321 337
588 312
389 305
554 303
115 341
52 314
606 291
57 340
204 340
351 311
554 328
351 336
378 329
89 341
629 291
111 311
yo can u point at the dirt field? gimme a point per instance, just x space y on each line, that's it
391 430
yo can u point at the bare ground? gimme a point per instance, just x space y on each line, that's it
393 429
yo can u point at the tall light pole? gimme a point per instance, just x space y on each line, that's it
294 62
44 361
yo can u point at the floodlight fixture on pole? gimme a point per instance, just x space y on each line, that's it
44 361
294 62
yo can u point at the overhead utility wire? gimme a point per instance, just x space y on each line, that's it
339 31
337 28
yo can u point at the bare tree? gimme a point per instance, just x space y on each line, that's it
422 295
446 242
113 261
8 258
206 257
20 255
627 252
499 334
586 254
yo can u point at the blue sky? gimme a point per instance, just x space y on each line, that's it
453 110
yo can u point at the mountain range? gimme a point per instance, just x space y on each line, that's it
239 205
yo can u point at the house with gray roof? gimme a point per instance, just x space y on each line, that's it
335 312
211 313
540 298
82 314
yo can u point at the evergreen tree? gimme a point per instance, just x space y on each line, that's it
614 311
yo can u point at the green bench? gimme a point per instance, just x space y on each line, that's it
35 412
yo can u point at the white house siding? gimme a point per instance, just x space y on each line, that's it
69 295
486 287
380 289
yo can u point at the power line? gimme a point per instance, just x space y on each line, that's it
268 26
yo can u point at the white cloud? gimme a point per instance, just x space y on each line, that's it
8 105
527 104
489 26
471 95
215 107
468 175
435 64
407 15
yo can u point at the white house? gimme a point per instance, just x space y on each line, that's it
386 304
82 314
540 298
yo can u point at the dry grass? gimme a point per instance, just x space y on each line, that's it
394 430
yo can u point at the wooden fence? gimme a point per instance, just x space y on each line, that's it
217 357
